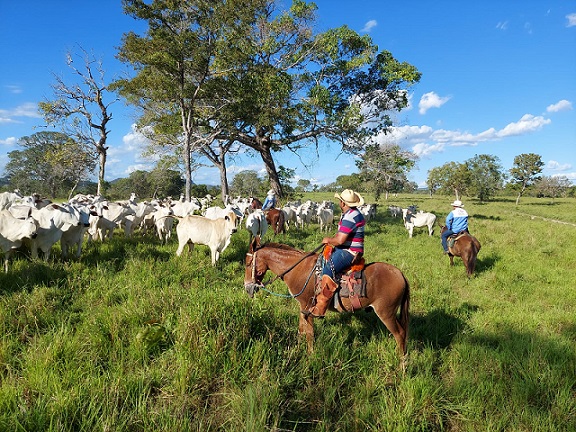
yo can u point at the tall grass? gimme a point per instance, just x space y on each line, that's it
133 338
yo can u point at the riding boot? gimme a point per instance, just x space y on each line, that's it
323 298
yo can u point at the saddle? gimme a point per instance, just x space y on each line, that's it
454 237
351 283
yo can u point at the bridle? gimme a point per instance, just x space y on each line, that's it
256 284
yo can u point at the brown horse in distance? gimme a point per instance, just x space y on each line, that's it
387 289
466 247
275 218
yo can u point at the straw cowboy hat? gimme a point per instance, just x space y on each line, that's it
457 203
350 198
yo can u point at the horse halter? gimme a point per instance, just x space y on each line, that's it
255 285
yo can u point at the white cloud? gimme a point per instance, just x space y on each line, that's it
431 100
424 140
562 105
528 123
557 166
502 25
28 109
14 89
571 20
134 139
369 26
10 141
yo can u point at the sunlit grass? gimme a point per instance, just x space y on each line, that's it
132 337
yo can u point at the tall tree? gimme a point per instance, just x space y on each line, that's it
525 171
386 167
452 177
298 86
82 108
486 175
245 71
180 62
50 163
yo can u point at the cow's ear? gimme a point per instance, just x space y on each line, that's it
227 218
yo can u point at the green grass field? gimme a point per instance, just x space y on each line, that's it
133 338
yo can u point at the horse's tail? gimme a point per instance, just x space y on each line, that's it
405 312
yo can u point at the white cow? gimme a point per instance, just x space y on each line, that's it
13 231
163 221
184 208
219 212
303 215
395 211
74 236
368 210
325 217
256 223
52 220
419 219
289 215
9 198
215 234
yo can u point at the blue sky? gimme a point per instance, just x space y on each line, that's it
498 78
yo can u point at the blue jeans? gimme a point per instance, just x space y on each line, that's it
445 236
340 259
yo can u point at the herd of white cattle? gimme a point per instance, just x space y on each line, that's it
38 224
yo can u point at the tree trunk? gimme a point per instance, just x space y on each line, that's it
188 169
223 180
101 170
266 154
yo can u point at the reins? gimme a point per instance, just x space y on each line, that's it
280 276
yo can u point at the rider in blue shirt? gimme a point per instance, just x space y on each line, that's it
270 201
456 221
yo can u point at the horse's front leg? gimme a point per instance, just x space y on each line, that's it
306 327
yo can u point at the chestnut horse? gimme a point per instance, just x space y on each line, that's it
387 289
466 247
275 219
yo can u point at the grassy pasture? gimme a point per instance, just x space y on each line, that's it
133 338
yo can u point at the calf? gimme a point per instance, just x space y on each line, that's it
215 234
13 231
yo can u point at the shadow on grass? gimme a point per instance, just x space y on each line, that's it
483 217
436 328
30 274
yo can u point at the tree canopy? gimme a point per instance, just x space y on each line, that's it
50 163
385 168
526 170
248 72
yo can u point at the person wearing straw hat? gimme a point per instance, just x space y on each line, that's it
270 201
456 221
348 244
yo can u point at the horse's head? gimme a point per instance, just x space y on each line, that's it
255 268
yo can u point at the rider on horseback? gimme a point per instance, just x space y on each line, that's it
348 246
270 201
456 222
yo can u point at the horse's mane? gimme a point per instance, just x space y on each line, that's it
281 246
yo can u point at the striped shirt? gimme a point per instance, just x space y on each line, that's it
352 224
